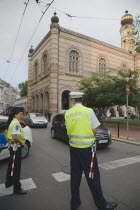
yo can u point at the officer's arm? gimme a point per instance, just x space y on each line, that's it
95 131
16 139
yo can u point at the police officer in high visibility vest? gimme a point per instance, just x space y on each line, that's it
82 124
16 141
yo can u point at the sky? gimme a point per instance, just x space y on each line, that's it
103 24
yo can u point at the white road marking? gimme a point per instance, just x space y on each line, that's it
27 184
61 177
120 163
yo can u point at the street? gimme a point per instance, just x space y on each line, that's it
48 166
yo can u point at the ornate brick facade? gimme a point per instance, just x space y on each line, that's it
69 57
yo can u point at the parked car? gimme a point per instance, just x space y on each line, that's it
28 135
58 130
36 120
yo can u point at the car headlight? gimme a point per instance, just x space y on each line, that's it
109 133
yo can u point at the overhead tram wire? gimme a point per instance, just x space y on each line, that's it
73 16
43 13
6 72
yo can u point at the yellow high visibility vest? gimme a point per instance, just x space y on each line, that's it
9 132
79 130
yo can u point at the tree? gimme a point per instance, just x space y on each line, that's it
136 32
23 88
104 90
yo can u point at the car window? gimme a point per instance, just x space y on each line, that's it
23 125
39 115
36 115
101 128
32 115
60 118
3 124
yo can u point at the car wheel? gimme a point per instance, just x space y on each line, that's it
53 134
25 150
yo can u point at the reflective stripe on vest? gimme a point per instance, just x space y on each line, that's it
81 143
81 136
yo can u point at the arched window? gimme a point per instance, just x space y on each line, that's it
35 70
73 62
44 63
102 65
124 67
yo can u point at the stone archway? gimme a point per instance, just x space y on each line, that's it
41 103
46 102
37 103
65 102
33 103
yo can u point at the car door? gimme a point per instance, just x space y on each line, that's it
58 126
4 152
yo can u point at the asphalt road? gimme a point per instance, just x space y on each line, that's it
49 156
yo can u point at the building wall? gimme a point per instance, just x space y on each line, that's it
8 94
58 44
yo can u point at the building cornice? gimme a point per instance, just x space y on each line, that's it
41 43
76 34
79 35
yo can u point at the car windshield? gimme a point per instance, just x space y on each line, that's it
36 115
3 120
101 128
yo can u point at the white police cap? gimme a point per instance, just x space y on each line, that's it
76 94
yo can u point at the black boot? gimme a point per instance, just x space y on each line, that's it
110 206
8 184
76 206
20 192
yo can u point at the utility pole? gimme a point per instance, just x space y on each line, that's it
127 94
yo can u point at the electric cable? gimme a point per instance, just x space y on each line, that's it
6 72
73 16
43 13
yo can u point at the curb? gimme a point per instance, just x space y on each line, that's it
126 141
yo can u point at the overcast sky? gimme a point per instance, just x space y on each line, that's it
105 27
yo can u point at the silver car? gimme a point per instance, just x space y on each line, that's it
36 120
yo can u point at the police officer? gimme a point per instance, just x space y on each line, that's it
82 124
16 140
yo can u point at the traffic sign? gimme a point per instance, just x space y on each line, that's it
127 89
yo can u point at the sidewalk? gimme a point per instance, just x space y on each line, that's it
133 134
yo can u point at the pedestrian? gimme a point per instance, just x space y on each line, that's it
49 116
16 141
82 123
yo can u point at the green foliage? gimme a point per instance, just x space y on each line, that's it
23 88
109 89
134 122
136 33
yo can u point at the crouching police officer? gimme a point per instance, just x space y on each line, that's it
16 141
82 124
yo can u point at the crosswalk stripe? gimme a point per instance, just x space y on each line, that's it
61 177
120 163
27 184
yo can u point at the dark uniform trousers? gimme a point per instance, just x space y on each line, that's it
80 161
15 179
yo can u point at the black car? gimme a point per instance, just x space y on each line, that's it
58 130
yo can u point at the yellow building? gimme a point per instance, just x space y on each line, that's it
63 57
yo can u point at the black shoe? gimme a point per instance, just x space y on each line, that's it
75 207
110 206
20 192
8 184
